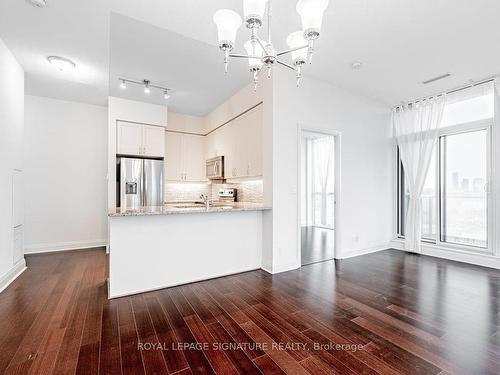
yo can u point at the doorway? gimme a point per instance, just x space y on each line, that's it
318 195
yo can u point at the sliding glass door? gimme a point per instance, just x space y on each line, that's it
456 205
464 184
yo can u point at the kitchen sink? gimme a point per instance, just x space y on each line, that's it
220 205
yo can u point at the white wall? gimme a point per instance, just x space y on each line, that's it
65 165
11 148
365 201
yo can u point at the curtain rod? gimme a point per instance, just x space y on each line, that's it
456 89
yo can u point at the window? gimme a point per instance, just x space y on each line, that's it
464 200
455 199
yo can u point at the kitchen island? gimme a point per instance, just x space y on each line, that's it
157 247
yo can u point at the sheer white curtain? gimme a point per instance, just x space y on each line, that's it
416 128
323 164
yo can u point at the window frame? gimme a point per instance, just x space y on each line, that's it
480 125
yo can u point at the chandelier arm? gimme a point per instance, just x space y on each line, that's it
261 43
286 65
243 56
292 50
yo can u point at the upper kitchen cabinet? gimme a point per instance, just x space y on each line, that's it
185 157
139 140
153 141
241 143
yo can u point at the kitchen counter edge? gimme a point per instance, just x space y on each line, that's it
166 210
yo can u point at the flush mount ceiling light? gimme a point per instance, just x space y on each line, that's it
37 3
357 65
261 53
146 83
61 63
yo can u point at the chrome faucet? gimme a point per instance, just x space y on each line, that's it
205 200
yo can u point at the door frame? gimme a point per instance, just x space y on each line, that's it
338 147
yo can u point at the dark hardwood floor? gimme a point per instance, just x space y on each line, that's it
317 244
383 313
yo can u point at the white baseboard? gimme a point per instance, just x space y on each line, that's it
12 274
62 246
457 255
280 268
362 251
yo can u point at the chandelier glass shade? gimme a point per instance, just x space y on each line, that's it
295 40
260 53
228 22
253 48
311 14
254 10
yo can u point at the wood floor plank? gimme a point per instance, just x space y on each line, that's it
152 357
196 359
131 358
268 366
109 357
174 359
217 358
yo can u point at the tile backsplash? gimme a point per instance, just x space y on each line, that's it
184 191
248 191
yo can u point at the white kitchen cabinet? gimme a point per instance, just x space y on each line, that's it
173 156
153 143
253 135
140 140
243 154
185 157
194 158
128 138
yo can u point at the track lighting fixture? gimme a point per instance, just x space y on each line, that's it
146 84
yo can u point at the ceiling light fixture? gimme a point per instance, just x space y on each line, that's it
357 65
146 84
261 53
61 63
147 90
37 3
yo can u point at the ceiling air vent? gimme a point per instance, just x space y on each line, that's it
38 3
436 78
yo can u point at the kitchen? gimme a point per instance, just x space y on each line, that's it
185 199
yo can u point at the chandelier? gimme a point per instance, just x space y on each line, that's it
262 54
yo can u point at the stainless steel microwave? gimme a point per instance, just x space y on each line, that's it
215 168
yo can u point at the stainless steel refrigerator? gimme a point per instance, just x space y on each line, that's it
140 182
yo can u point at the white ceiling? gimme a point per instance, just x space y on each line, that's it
400 42
192 69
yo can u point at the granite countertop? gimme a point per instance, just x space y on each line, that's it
187 208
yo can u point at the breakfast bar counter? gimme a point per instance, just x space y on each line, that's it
157 247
